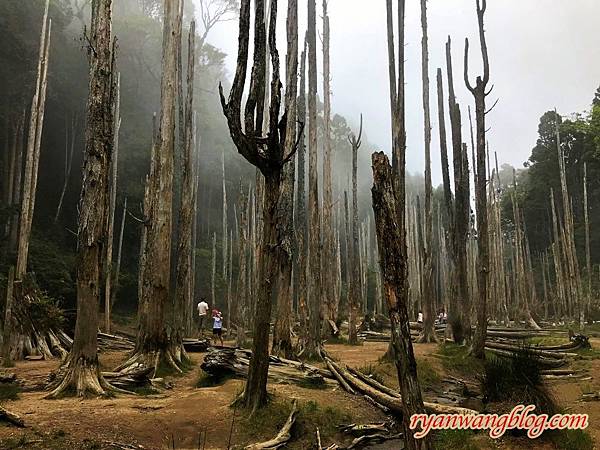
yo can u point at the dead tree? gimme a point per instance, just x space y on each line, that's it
282 336
112 203
428 334
390 239
15 180
224 223
70 137
459 317
242 284
301 225
327 223
80 372
479 94
157 346
213 272
354 286
117 271
315 293
267 154
34 142
185 244
588 260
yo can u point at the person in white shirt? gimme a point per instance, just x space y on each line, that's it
420 317
202 314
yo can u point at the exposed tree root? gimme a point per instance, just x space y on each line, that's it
11 417
36 323
163 361
81 378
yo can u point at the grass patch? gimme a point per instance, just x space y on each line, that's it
340 340
426 373
372 371
206 380
9 391
590 353
570 439
454 439
456 359
55 440
266 422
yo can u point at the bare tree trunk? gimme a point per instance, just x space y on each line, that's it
117 272
355 288
185 244
313 344
390 238
33 147
479 93
588 260
213 273
282 336
428 334
328 246
243 285
224 223
80 373
69 149
270 160
301 222
17 186
157 345
7 328
112 203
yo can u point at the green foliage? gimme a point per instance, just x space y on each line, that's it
426 373
456 359
571 439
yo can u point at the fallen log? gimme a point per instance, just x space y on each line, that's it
542 361
531 350
235 362
131 379
196 345
339 378
393 402
284 435
11 417
361 430
8 377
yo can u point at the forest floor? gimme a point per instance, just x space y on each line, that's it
182 416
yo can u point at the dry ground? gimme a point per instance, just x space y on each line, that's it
177 417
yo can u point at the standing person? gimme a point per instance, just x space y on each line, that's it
202 314
420 317
217 326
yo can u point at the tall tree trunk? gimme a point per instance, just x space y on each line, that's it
270 159
479 93
34 141
282 336
588 260
17 185
185 244
428 334
112 203
390 238
156 345
328 244
301 228
355 285
80 373
241 304
313 343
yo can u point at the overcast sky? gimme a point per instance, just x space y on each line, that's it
543 53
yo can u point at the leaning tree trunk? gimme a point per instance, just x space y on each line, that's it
156 346
428 334
479 93
282 336
69 150
268 155
80 373
34 141
391 239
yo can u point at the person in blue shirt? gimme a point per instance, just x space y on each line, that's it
217 326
